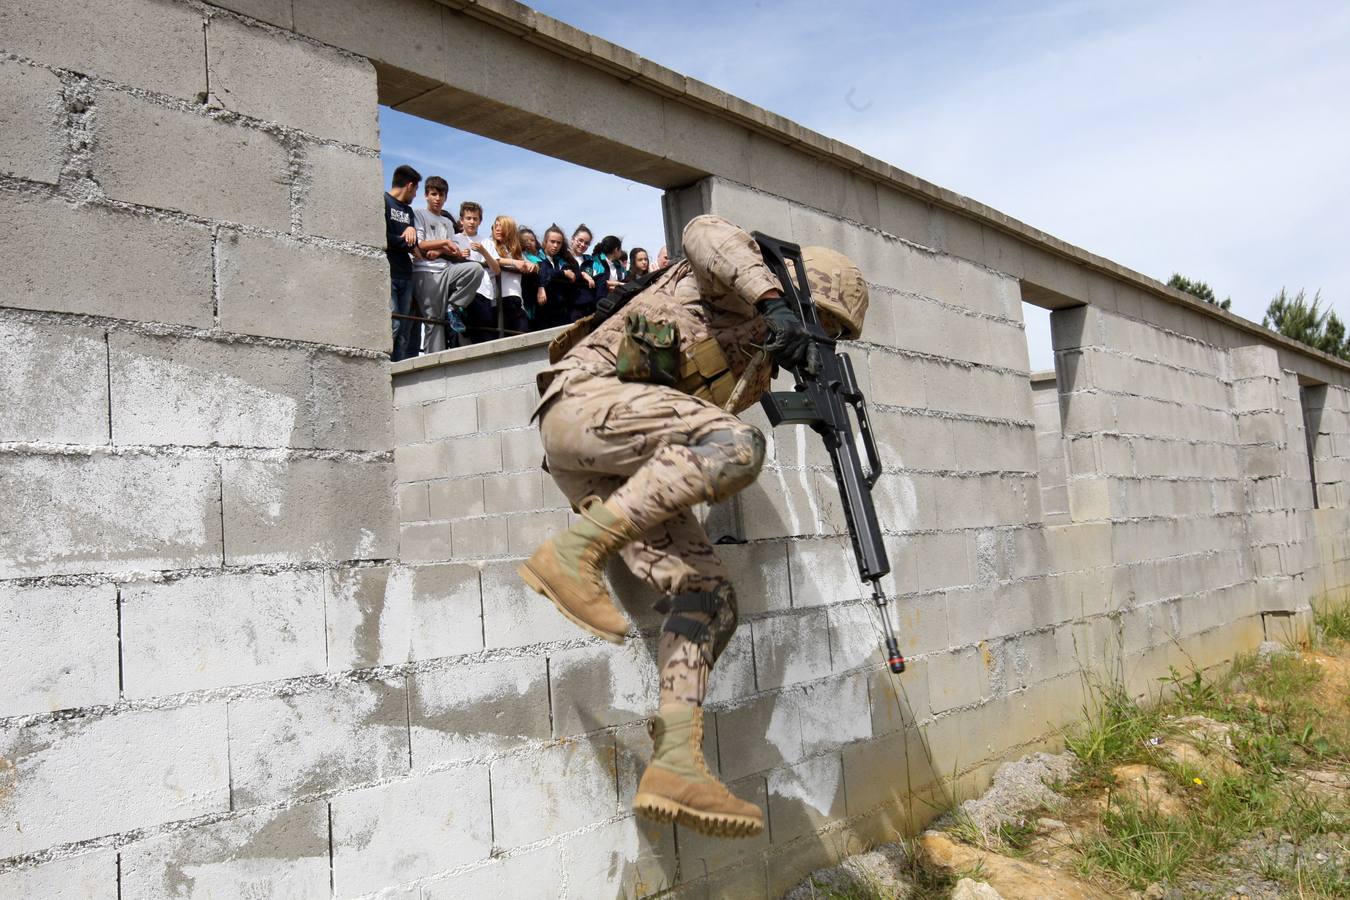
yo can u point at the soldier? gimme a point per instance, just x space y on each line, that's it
635 434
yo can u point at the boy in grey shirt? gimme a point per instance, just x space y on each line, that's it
441 272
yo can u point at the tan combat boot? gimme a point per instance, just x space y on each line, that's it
677 784
566 569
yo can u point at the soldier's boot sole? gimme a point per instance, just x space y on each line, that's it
664 809
540 586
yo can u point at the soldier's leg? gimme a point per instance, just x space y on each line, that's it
676 558
675 451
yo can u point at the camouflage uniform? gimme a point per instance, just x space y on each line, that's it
656 451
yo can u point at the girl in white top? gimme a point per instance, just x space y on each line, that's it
511 258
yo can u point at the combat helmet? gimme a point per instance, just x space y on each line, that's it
838 288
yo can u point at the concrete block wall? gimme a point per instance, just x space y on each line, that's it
196 447
248 650
1153 561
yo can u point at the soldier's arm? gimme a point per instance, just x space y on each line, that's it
727 261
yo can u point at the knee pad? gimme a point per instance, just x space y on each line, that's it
731 457
719 605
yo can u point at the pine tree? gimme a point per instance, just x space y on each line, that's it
1198 289
1295 317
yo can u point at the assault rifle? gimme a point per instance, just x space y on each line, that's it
826 389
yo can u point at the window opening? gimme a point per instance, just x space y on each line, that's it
432 310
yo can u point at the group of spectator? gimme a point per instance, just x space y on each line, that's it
452 286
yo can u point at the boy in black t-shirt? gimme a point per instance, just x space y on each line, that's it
400 239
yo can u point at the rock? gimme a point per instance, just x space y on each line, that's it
878 873
1211 764
967 889
1148 788
1326 784
1155 891
1014 879
1018 787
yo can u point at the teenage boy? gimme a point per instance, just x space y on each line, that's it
441 271
480 314
400 240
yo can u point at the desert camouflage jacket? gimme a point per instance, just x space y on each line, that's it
710 293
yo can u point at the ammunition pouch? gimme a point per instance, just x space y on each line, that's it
705 373
649 351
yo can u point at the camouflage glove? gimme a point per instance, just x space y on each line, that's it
789 343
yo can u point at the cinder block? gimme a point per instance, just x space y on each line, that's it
957 678
451 417
521 449
271 853
408 425
536 875
173 159
628 858
330 738
877 772
480 538
198 633
734 675
565 786
205 393
410 829
351 403
307 509
457 499
943 560
515 492
832 712
805 797
600 685
474 710
759 734
474 455
413 503
409 31
897 380
425 542
61 648
106 513
379 616
422 461
131 266
30 141
514 615
343 201
789 648
153 767
90 876
55 381
822 572
143 43
337 102
526 531
277 288
511 408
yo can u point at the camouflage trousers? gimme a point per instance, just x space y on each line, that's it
655 453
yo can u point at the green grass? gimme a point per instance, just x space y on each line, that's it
1115 730
1289 725
1333 621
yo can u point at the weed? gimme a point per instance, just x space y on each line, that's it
1115 729
1333 621
1140 846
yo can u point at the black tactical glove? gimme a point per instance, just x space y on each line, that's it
789 343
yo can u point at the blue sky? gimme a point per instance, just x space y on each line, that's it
1208 138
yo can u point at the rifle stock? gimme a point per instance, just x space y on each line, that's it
826 389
